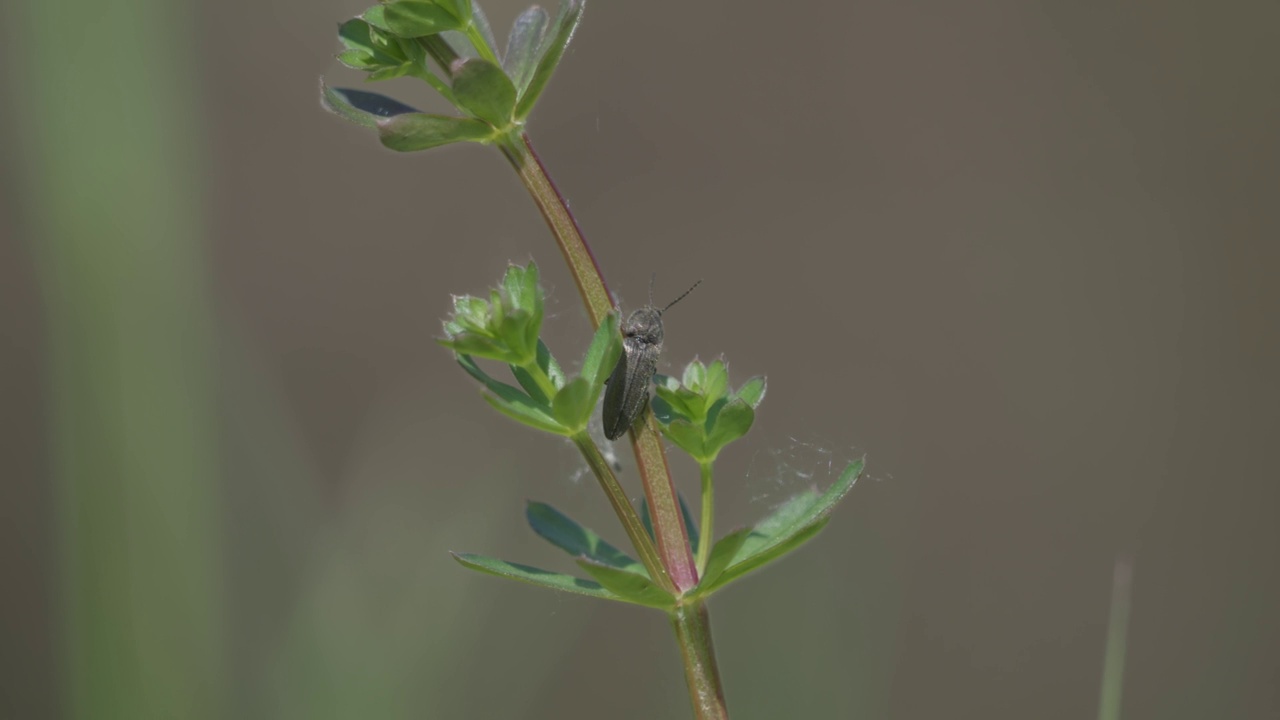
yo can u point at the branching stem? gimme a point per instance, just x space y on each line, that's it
626 513
691 622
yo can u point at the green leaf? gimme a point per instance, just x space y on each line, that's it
694 375
526 36
504 327
662 410
689 437
526 414
699 415
549 365
810 506
533 576
419 131
752 391
521 286
628 586
357 60
573 405
789 527
690 525
377 17
389 73
478 345
481 23
765 556
418 18
558 529
500 337
410 48
681 402
358 34
482 89
722 555
510 401
553 45
715 384
603 353
471 311
530 385
732 422
523 320
360 107
645 520
460 9
497 387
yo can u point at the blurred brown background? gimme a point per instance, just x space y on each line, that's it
1020 254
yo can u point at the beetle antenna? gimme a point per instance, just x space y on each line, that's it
686 292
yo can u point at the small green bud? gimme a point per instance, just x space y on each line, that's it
505 327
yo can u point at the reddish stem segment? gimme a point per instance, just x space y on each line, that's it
664 505
651 457
577 254
691 622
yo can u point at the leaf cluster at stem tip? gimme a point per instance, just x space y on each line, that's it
505 327
449 45
699 412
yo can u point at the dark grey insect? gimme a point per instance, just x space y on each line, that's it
627 388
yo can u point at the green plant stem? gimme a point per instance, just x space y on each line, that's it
424 74
664 505
626 513
705 534
692 624
573 246
481 44
544 381
444 56
651 457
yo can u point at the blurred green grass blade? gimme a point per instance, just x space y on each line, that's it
1117 641
113 203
